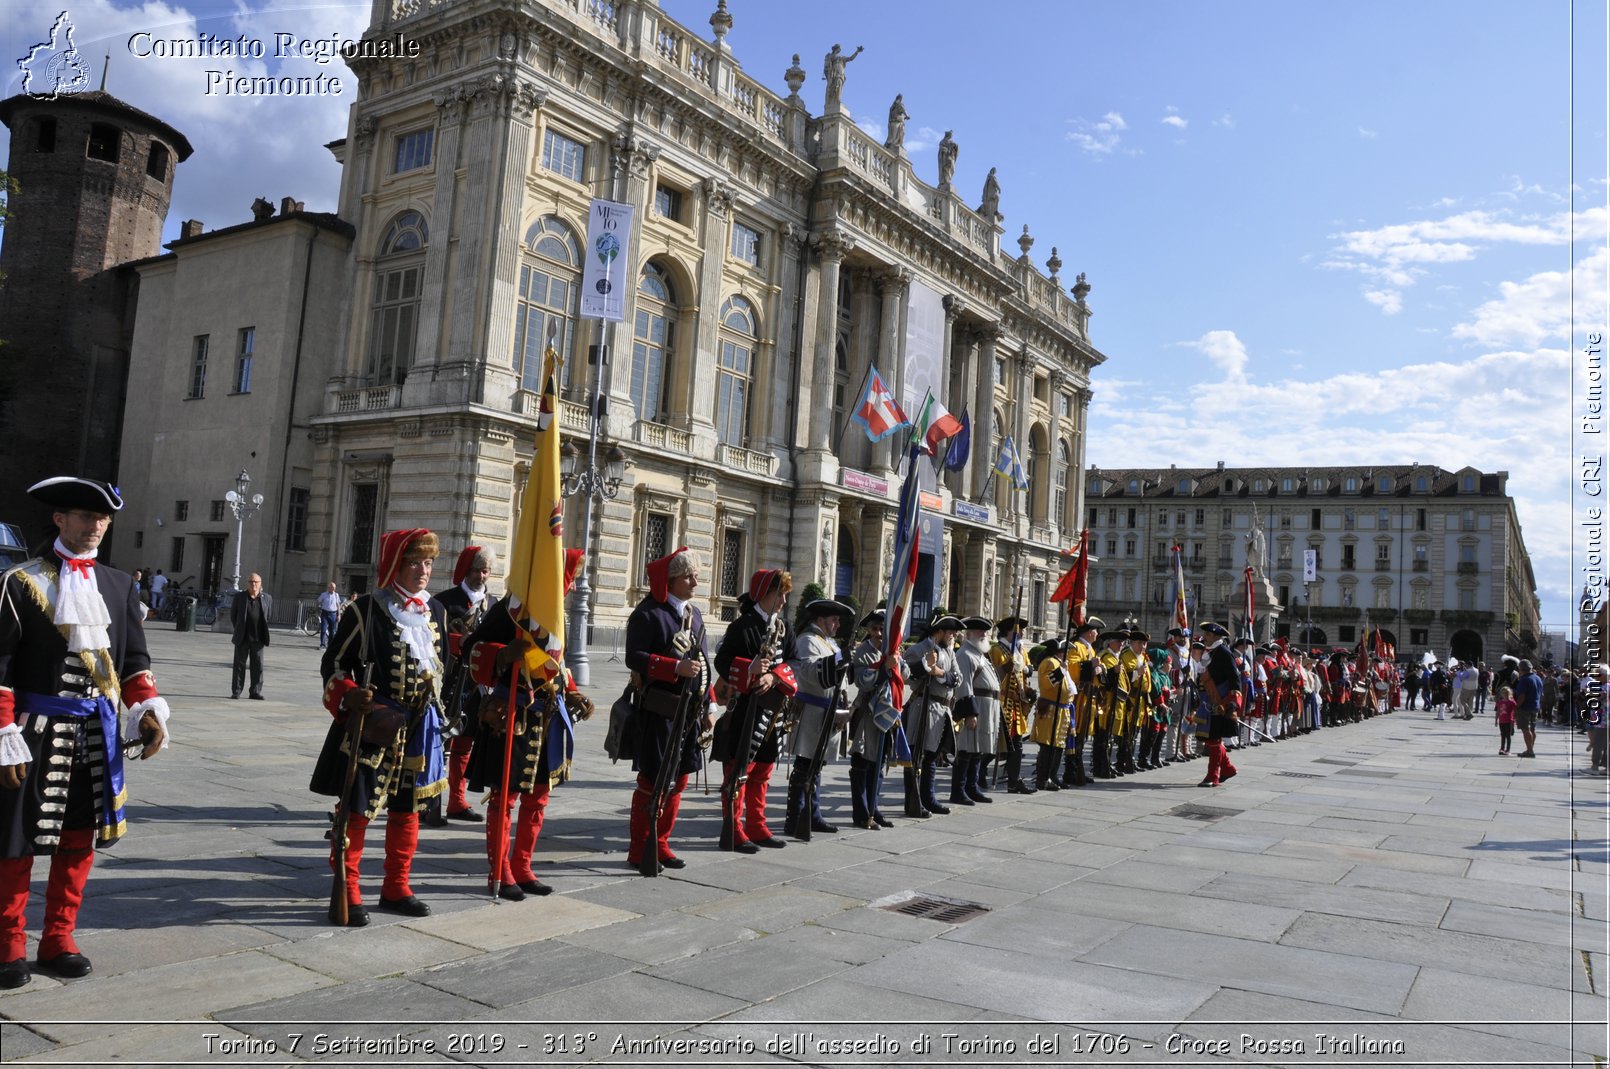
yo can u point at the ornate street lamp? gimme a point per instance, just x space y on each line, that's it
243 510
593 485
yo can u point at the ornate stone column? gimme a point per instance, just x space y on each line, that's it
984 443
631 157
831 246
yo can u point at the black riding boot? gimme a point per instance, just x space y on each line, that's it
961 768
914 806
929 801
976 789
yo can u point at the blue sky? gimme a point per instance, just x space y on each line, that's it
1317 234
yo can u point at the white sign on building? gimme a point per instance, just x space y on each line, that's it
603 276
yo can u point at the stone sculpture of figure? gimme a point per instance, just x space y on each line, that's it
947 159
896 141
833 72
990 207
1255 545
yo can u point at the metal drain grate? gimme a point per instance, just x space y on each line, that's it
1192 811
943 910
1371 773
1301 775
1333 761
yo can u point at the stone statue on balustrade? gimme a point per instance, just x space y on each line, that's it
1255 546
833 72
896 141
947 160
990 206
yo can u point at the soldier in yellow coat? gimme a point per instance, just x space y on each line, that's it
1052 715
1010 658
1136 707
1081 665
1112 693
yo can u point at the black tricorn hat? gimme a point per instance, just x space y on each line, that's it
944 623
1137 635
1094 623
976 623
1116 635
825 607
1211 628
71 492
1006 623
876 616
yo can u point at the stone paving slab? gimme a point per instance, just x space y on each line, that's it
1324 899
1350 980
1396 859
1248 919
752 971
1450 951
1231 1013
1461 888
1251 864
1032 986
662 937
489 927
1503 1007
367 953
773 909
1153 877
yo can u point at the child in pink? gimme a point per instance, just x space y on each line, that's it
1504 711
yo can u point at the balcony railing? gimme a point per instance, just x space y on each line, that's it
659 436
749 460
364 399
1422 566
1467 567
1383 565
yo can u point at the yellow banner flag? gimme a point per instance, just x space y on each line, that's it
537 567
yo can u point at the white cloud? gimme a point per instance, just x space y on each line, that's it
1390 302
1098 137
1225 350
1396 256
1226 121
1176 121
1539 309
1368 135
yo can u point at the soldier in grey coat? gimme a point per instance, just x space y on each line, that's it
819 666
869 739
978 714
931 680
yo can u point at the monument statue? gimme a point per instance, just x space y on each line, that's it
833 72
896 141
990 206
947 159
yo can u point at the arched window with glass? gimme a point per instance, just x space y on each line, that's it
735 371
653 342
550 272
394 316
1064 476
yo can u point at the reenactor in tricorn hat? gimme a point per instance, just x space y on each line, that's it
1080 659
977 714
1053 714
870 737
932 679
820 667
76 697
1010 660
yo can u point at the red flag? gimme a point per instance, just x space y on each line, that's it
1071 588
1182 617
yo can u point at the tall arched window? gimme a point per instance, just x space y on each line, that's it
1037 467
550 271
654 340
1064 474
735 371
394 319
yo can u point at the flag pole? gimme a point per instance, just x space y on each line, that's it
849 418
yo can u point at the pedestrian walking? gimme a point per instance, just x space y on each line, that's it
1504 716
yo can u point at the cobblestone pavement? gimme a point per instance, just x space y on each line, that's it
1391 892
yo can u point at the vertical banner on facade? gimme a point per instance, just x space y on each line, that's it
924 362
1310 565
603 273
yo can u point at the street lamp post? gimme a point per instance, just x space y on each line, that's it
595 485
243 510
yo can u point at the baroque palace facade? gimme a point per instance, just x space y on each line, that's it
1433 558
777 255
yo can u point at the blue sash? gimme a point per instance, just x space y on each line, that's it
423 750
101 707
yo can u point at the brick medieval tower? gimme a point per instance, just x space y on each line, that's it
94 177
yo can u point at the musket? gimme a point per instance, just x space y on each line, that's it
648 862
499 818
338 835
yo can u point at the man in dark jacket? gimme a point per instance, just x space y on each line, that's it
249 613
1528 703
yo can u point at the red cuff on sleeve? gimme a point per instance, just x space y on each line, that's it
738 675
139 687
8 707
662 669
784 674
483 663
334 691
